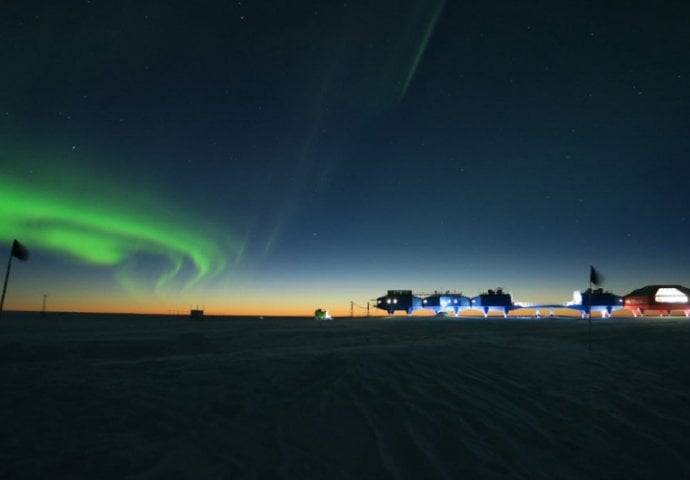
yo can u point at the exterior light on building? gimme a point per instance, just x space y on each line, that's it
670 295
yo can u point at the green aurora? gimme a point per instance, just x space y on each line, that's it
105 231
398 63
432 15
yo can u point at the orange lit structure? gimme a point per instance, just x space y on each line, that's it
659 298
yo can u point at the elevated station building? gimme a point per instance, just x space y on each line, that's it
598 300
493 301
659 298
396 300
440 303
446 302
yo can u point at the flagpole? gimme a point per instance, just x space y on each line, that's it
4 288
589 316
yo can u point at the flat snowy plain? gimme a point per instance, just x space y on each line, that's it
143 397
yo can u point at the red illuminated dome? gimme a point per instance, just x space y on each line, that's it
659 298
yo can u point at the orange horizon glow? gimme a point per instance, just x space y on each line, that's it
301 311
209 310
252 305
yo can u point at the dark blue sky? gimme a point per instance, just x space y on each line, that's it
328 151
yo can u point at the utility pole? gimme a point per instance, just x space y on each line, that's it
352 309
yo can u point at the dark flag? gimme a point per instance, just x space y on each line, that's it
595 277
19 251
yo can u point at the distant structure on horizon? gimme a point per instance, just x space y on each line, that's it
320 314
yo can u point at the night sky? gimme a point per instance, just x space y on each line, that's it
273 157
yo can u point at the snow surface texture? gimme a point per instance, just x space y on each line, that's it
92 396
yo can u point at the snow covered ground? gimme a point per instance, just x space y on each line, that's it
98 396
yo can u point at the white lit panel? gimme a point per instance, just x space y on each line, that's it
670 295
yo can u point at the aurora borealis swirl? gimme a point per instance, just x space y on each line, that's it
102 235
107 221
